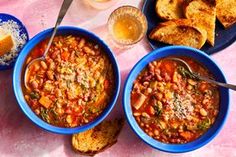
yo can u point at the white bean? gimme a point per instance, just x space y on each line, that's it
203 112
144 114
137 114
34 84
44 65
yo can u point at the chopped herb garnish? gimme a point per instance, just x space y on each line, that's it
54 113
205 124
82 85
44 114
94 109
68 82
34 95
158 110
165 131
95 98
185 73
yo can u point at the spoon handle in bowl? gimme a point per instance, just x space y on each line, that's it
65 6
230 86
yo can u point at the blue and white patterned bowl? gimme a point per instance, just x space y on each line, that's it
3 18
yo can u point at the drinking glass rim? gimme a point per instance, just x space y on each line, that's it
145 26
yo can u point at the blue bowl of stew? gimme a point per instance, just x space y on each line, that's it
18 79
172 137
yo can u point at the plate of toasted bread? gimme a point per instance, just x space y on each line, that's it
209 25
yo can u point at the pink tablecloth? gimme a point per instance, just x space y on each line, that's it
20 137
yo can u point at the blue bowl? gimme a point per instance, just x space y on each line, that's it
204 60
3 18
18 73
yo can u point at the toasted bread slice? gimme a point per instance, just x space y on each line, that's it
202 12
226 12
98 138
169 9
180 32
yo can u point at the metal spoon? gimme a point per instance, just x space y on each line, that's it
230 86
66 4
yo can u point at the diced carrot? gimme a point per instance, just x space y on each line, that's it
65 55
101 99
150 110
78 110
175 77
106 84
174 124
187 135
169 67
203 87
68 111
45 101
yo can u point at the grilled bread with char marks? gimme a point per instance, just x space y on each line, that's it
202 12
97 139
180 32
169 9
226 12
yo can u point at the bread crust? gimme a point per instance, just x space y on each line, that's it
91 134
226 12
186 28
202 12
169 9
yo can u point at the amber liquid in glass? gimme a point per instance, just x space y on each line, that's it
127 25
127 28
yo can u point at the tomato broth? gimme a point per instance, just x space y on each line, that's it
170 104
73 85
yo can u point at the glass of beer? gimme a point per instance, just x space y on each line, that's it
127 25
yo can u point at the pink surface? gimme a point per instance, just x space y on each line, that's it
20 137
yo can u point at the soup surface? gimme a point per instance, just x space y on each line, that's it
73 85
172 106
